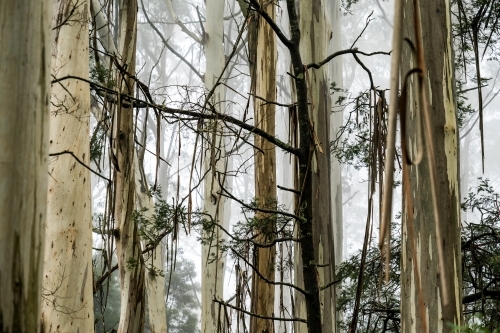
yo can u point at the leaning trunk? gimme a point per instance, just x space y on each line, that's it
438 55
128 248
24 92
68 246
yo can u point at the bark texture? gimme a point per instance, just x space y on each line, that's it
154 283
438 54
128 247
213 264
262 47
315 35
24 95
67 278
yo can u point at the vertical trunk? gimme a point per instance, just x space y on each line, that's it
24 92
315 33
154 283
335 73
128 248
213 270
68 303
438 54
262 46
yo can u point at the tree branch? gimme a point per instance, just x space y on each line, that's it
353 51
79 161
256 315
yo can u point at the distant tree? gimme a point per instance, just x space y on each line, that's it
183 305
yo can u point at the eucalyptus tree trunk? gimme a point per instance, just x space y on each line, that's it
213 203
24 92
438 54
68 296
335 74
262 50
128 247
154 282
315 34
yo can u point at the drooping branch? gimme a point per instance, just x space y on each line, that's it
139 103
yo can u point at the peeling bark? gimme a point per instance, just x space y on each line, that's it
128 247
438 53
315 37
263 56
67 278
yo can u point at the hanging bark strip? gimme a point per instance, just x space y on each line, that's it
408 198
423 89
397 41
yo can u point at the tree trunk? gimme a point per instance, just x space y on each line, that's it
335 73
438 55
128 248
213 204
262 47
154 283
68 245
24 92
315 34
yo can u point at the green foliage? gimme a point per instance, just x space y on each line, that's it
480 267
481 256
353 143
379 306
97 141
473 327
101 75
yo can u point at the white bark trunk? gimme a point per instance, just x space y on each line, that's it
155 284
128 247
24 92
213 204
68 295
335 73
315 35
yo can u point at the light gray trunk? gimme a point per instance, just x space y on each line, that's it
68 296
213 203
128 247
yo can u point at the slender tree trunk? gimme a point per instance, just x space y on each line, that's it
262 47
213 203
154 283
438 54
335 74
68 296
24 92
315 34
128 248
